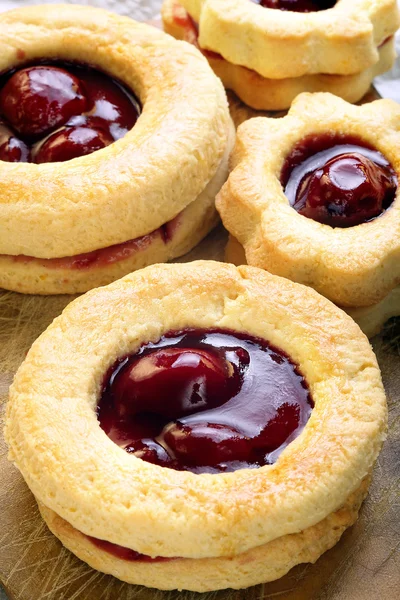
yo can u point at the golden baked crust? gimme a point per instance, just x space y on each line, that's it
277 94
370 319
258 565
74 469
194 222
136 184
279 44
353 267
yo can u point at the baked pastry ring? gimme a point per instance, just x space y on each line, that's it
354 266
276 93
170 163
228 525
279 44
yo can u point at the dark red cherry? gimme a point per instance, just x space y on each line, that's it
125 553
110 106
338 181
348 189
71 142
297 5
170 382
37 100
12 149
205 401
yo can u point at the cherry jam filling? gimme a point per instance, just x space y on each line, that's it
303 6
338 180
125 553
56 112
105 256
205 401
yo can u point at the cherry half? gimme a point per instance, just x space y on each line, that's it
304 6
58 112
338 180
205 401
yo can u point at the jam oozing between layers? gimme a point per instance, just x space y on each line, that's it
304 6
205 401
338 180
56 112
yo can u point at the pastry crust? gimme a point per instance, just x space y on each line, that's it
136 184
277 94
370 319
74 469
353 267
258 565
194 222
280 44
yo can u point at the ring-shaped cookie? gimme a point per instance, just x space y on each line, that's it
142 181
279 44
355 266
264 93
75 470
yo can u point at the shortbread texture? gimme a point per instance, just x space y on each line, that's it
77 472
279 44
354 267
134 185
267 93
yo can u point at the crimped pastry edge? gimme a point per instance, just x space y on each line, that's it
280 44
277 94
353 267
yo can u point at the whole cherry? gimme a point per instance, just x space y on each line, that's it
71 142
348 190
37 100
171 382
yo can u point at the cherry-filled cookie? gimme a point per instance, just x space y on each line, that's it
114 140
269 51
206 426
322 208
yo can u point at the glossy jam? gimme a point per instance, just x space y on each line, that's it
205 401
105 256
53 113
304 6
125 553
338 180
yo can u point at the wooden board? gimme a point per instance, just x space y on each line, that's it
365 565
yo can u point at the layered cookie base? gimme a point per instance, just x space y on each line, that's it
79 273
370 319
263 93
259 565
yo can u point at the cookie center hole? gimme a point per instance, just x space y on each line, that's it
205 401
338 180
57 112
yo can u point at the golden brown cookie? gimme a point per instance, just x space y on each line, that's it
313 210
163 515
276 93
148 196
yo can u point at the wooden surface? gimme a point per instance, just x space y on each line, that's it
365 565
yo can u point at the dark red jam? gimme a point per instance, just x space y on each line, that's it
205 401
338 180
125 553
56 112
303 6
105 256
